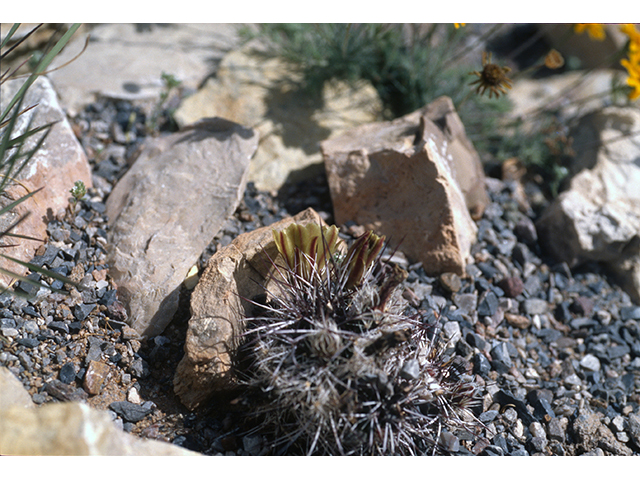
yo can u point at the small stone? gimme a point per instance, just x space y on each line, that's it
67 373
133 396
488 416
449 442
488 304
95 377
537 430
604 317
512 286
410 369
80 312
451 282
557 427
535 306
630 313
582 306
590 362
572 380
252 444
618 423
130 412
518 321
59 326
539 443
65 393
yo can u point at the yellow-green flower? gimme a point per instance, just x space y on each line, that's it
595 30
458 25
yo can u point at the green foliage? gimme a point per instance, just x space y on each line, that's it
405 64
13 158
170 83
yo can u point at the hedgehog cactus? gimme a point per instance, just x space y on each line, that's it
339 364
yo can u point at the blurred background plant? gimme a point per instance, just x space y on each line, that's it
14 140
411 65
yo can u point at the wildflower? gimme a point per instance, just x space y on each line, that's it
632 64
492 77
629 29
458 25
633 68
595 30
553 60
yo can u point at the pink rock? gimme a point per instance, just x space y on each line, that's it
57 165
415 180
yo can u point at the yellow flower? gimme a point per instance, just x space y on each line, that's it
595 30
458 25
629 29
633 68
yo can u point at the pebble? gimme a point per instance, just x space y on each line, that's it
95 377
130 412
590 362
67 373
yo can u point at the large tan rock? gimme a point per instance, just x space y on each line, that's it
55 167
71 428
166 209
413 179
233 274
598 217
260 91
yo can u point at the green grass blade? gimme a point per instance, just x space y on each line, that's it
42 66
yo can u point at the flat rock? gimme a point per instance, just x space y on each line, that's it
72 429
166 209
234 273
55 167
261 91
126 61
414 179
599 214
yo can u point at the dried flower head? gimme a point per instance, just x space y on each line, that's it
553 59
337 366
492 77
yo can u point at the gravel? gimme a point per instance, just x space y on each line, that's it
555 350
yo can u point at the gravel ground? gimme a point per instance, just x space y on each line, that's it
557 355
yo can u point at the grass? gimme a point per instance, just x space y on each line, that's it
13 157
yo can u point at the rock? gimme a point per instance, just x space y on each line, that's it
130 412
590 433
12 392
71 429
233 273
512 286
55 167
599 215
414 179
518 321
167 208
259 91
95 377
126 61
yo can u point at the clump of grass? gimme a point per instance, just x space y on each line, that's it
337 365
13 157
